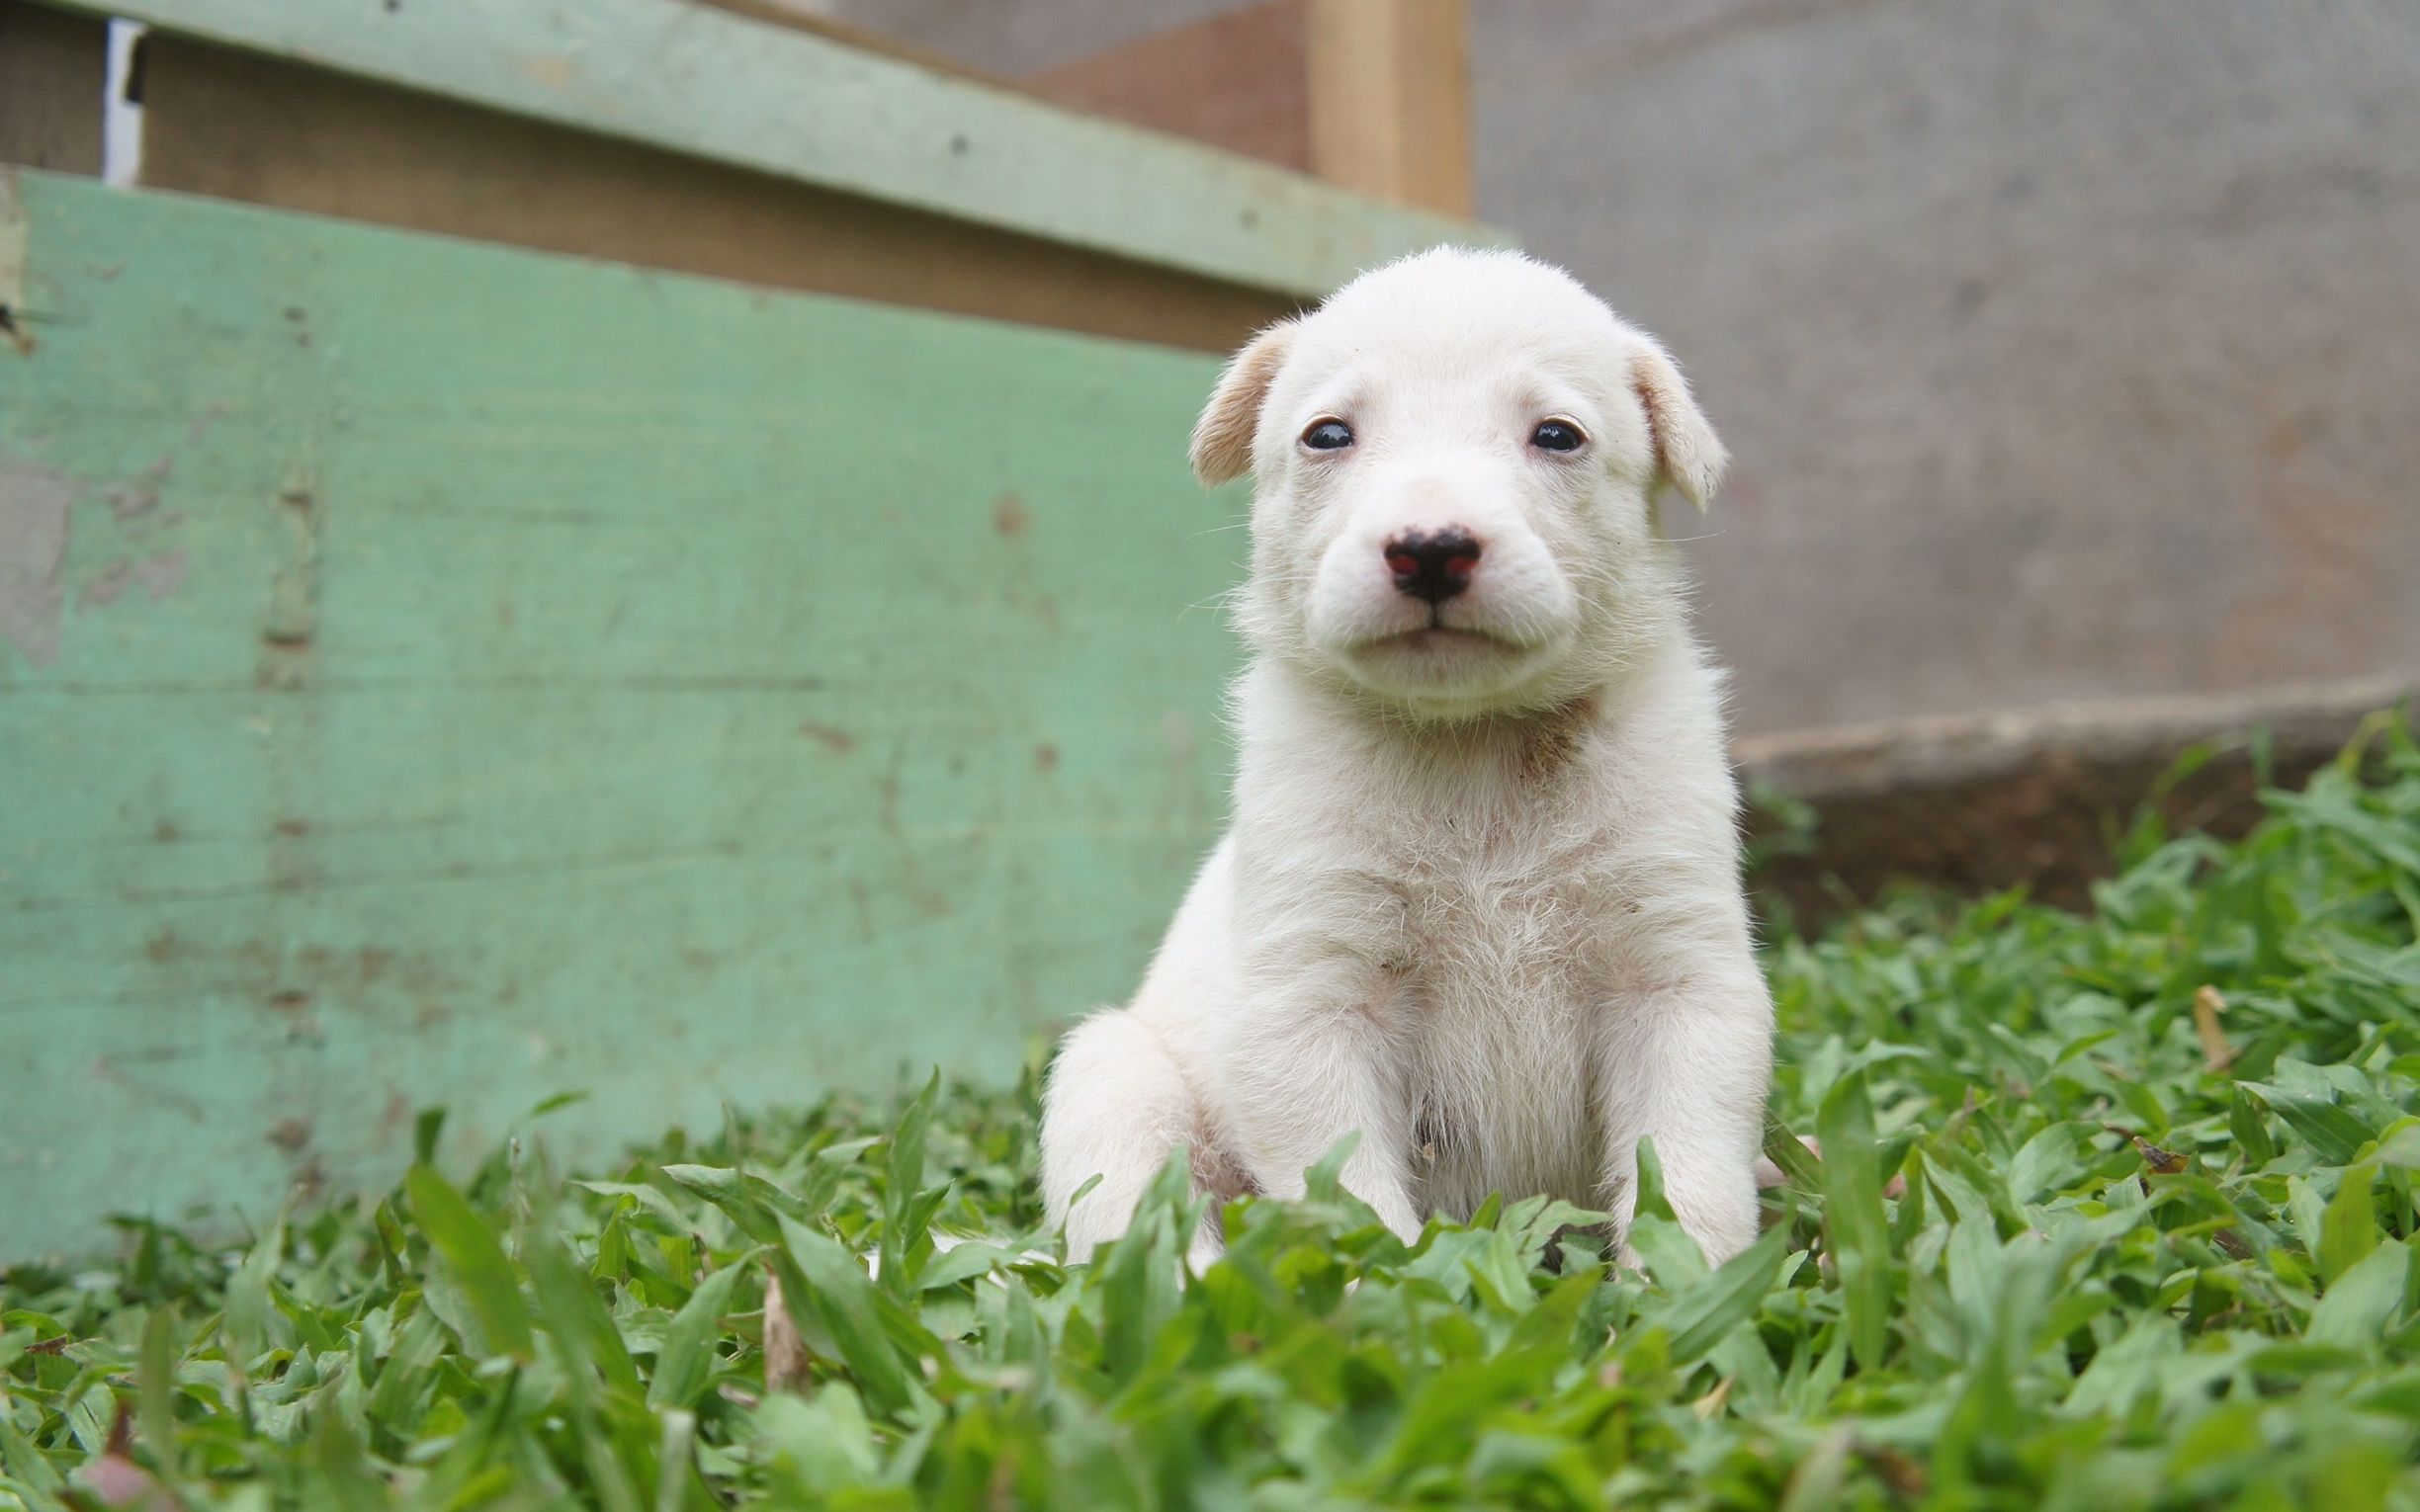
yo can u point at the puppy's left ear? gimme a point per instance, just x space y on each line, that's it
1223 436
1688 453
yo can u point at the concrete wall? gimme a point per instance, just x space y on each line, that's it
2069 351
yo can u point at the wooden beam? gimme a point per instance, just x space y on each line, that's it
1236 80
2029 797
241 126
803 16
1389 99
781 100
1372 95
53 68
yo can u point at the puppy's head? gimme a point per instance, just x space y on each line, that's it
1454 465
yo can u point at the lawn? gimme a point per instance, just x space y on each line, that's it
2152 1250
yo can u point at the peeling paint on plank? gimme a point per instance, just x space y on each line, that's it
160 574
33 501
103 590
547 70
13 263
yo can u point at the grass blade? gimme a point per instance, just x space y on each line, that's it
467 1249
686 1357
1705 1314
1853 1219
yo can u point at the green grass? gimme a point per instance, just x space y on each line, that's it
2119 1274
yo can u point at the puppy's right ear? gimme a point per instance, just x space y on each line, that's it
1223 436
1689 456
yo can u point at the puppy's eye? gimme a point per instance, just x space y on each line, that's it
1328 436
1557 436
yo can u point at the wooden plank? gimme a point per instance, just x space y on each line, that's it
2028 797
469 675
245 127
1389 99
1238 80
781 100
805 16
53 67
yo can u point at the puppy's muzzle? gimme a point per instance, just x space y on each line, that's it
1433 566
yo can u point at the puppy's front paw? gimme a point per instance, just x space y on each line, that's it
1720 1215
1724 1233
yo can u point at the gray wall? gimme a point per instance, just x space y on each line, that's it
2068 349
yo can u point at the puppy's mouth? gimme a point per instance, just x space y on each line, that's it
1444 668
1442 639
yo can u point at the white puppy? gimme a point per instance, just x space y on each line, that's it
1480 901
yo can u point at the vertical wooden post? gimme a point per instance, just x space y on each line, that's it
53 68
1389 99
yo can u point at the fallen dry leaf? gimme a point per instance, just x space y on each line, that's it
117 1479
1712 1401
2217 1053
785 1353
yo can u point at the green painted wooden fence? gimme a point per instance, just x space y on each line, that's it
437 673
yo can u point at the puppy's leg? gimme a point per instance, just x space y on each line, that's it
1116 1107
1308 1062
1688 1066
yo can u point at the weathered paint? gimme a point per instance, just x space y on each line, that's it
481 675
785 101
33 502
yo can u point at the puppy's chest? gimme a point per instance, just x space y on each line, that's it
1488 938
1507 940
1500 983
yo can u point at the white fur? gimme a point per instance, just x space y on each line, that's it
1480 899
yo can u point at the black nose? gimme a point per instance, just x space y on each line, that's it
1436 566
